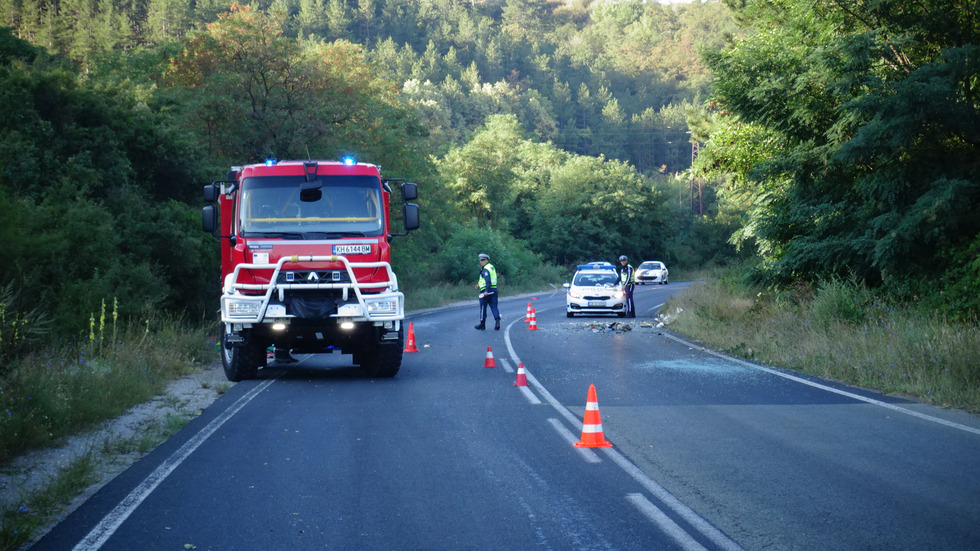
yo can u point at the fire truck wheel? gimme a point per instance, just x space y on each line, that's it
382 360
242 362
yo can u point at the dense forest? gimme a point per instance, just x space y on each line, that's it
828 138
849 133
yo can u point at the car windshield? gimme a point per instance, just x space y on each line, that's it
592 280
348 206
650 266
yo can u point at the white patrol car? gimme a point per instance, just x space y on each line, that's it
651 271
595 289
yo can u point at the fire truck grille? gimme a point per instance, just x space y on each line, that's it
313 276
318 305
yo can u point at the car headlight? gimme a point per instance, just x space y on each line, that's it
574 294
619 294
243 308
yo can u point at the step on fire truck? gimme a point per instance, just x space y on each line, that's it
305 263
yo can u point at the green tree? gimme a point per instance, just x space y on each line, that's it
524 19
367 14
592 207
312 18
480 174
167 20
257 93
111 28
339 19
867 113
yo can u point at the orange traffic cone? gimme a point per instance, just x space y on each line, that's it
410 346
527 316
534 321
521 376
489 361
592 436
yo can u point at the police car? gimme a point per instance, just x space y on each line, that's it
595 289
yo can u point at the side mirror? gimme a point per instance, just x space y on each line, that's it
566 285
410 191
211 193
209 219
410 213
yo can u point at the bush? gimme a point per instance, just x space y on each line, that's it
19 328
515 263
841 302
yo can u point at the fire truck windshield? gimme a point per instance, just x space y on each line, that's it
348 206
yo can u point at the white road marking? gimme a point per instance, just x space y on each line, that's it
587 454
660 518
531 398
704 527
114 519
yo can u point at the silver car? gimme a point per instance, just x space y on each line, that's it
595 289
651 271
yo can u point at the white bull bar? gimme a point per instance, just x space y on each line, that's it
254 308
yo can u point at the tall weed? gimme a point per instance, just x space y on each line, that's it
78 383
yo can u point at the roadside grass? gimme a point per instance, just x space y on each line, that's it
78 383
34 511
838 330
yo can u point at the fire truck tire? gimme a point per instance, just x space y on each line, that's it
382 360
242 362
385 361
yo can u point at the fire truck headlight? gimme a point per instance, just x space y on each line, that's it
383 306
243 308
279 325
346 324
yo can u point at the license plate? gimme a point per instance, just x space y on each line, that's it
352 249
597 303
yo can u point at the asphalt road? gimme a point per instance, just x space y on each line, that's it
708 452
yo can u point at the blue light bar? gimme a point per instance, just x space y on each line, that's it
270 161
349 161
596 266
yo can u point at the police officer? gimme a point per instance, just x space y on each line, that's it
488 292
626 279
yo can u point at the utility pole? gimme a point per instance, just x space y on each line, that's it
697 202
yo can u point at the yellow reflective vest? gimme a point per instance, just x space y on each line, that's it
493 278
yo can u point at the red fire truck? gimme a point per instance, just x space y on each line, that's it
305 263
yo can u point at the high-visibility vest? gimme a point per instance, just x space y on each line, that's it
493 277
626 275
